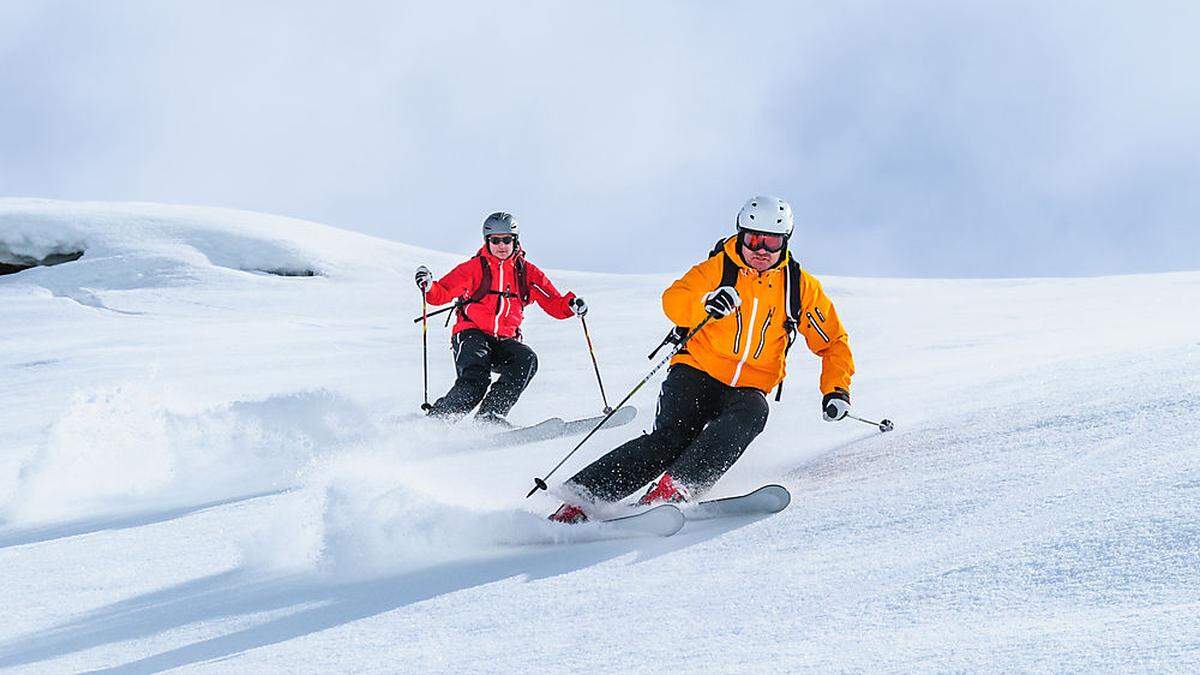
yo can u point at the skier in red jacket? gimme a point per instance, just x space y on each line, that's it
490 292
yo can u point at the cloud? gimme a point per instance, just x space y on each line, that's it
913 139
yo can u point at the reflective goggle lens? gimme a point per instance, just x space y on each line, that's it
500 239
759 241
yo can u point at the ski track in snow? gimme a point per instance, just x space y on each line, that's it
210 467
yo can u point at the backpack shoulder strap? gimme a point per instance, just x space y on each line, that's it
793 298
522 281
729 272
794 293
485 281
729 268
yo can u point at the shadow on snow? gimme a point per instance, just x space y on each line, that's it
20 536
318 605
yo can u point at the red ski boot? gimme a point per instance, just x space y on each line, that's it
665 491
569 514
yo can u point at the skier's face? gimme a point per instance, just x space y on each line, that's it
760 260
501 245
761 250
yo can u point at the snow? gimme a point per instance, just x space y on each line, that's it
210 466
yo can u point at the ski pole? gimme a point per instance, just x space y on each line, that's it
884 425
595 365
540 483
425 348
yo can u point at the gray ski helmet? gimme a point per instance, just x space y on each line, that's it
766 214
500 223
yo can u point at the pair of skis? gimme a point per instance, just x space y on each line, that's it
667 519
663 520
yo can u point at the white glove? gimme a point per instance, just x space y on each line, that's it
424 278
577 305
835 405
721 302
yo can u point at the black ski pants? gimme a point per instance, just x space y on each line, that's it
701 428
476 356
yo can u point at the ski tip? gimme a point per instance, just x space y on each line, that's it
663 520
672 517
623 415
665 508
544 430
782 497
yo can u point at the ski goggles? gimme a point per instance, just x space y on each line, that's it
761 241
501 239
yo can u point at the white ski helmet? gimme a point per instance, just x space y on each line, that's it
766 214
500 223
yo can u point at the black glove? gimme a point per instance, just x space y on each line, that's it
721 302
835 405
577 305
424 278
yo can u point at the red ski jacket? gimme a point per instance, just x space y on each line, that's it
498 308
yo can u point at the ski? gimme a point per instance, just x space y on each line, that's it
765 500
663 520
556 427
546 429
622 416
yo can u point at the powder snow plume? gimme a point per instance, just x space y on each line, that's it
126 446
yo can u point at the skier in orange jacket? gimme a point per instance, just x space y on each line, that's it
713 402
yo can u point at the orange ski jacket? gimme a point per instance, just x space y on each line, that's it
748 348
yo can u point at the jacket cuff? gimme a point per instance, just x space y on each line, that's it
838 392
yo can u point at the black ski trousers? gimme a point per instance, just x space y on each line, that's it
476 356
701 428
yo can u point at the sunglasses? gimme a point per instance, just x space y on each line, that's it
760 241
501 239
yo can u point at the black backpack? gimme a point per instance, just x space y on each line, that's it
729 276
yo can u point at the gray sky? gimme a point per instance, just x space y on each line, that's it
912 138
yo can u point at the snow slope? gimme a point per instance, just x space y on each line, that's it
207 465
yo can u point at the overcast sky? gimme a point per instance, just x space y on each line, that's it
912 138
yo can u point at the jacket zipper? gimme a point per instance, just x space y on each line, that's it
813 322
745 355
737 337
762 336
499 302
